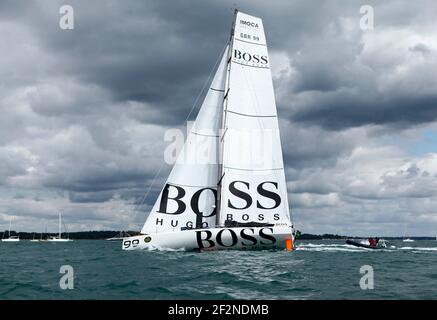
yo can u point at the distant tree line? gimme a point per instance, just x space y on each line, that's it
89 235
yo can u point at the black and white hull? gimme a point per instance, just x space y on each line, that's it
213 239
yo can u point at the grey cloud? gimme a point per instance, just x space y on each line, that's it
421 48
311 146
349 108
14 161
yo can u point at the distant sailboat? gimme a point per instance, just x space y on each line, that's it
237 198
33 239
59 237
10 238
405 238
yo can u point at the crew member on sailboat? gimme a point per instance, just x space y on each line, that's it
238 198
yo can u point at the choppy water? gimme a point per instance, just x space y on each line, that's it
316 270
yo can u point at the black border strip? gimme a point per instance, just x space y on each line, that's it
277 309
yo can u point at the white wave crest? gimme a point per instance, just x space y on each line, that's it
419 248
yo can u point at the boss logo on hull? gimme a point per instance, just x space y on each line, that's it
205 239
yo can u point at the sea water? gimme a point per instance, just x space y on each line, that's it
315 270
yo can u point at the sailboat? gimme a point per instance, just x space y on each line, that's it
10 238
236 196
34 239
59 237
405 238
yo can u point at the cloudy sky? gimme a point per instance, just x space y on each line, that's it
83 112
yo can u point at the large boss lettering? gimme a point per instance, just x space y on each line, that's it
181 206
240 188
228 238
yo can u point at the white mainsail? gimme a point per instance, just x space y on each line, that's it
195 173
253 187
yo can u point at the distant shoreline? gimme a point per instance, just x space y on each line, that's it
81 235
102 235
308 236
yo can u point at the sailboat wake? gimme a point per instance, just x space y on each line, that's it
331 248
317 247
423 249
163 249
328 248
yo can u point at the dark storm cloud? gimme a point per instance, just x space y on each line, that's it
161 53
345 77
321 149
144 51
350 109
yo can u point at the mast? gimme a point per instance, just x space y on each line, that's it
59 225
10 224
66 231
223 127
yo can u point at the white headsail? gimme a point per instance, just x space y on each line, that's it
188 199
253 187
